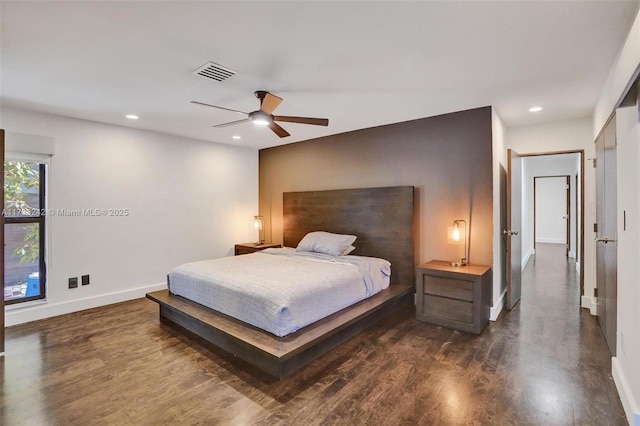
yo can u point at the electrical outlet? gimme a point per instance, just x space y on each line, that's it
73 282
85 280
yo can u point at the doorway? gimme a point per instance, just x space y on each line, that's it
552 212
555 164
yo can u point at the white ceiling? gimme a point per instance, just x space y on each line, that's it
360 64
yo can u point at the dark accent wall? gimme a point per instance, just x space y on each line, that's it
447 158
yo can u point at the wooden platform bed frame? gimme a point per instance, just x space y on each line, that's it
382 218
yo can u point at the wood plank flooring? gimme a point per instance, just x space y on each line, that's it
545 362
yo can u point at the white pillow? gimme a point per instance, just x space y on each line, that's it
348 250
326 242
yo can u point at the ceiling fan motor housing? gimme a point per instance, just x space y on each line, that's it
261 118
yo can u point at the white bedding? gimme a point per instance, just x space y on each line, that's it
280 290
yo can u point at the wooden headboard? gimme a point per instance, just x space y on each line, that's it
382 219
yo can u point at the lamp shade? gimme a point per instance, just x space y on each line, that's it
258 224
457 235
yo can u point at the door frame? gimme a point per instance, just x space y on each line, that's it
581 216
2 245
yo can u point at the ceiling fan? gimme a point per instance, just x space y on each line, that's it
264 116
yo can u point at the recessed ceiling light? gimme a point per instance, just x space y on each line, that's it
535 109
132 116
236 137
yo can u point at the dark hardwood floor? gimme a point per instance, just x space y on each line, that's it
545 362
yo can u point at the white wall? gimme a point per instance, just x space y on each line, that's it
620 76
626 364
188 200
567 136
499 215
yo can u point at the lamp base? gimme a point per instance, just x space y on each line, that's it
458 263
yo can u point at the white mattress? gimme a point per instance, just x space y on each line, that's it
280 290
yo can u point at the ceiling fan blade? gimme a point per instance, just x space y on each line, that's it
231 123
219 107
269 103
278 130
303 120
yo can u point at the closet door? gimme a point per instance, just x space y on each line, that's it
606 233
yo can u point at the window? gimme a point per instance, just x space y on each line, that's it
24 230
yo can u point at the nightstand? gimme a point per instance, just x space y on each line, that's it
246 248
454 297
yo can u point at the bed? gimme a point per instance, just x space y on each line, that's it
382 219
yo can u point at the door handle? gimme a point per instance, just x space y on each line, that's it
605 240
510 232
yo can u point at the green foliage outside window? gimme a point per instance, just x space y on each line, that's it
19 177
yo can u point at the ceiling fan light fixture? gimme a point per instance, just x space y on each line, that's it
260 118
264 116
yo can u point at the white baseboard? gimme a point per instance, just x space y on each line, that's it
47 310
497 306
589 302
624 391
578 267
572 254
526 257
551 241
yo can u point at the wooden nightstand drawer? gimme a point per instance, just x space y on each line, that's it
448 309
448 287
454 297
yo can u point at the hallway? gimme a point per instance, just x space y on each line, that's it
561 351
551 276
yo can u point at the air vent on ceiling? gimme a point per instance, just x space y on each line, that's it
214 71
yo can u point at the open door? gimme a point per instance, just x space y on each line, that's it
2 243
512 233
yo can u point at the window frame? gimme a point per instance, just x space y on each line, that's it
40 219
